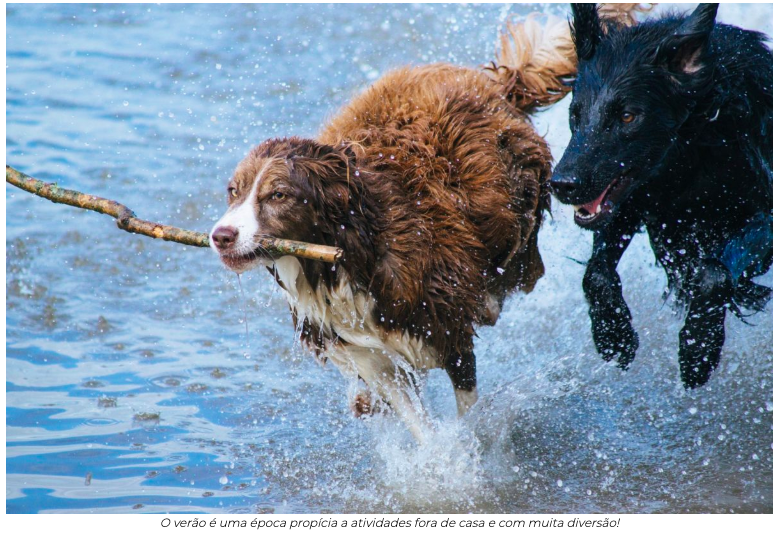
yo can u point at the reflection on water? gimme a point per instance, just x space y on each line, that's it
128 387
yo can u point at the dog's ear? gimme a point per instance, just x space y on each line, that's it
682 52
324 170
585 29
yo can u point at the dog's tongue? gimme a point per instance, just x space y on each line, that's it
592 206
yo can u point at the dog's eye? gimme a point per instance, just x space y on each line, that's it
232 192
278 195
627 117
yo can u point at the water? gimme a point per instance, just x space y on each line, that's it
128 384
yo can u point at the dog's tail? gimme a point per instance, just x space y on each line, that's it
536 62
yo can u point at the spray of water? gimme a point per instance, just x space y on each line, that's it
245 316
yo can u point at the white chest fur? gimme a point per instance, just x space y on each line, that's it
348 314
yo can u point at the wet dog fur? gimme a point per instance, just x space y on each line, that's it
671 125
433 182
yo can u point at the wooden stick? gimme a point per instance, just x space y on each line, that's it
127 221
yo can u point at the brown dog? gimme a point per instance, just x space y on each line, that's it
433 183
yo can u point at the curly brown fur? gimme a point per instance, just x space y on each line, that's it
433 182
536 62
459 176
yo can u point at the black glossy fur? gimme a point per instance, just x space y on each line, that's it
671 126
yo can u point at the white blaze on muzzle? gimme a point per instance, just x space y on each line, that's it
241 217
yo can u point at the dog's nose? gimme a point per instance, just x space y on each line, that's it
563 186
224 237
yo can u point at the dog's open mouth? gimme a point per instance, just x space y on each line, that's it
241 262
602 206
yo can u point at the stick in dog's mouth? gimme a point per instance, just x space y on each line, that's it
240 263
271 248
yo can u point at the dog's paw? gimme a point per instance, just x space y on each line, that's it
616 339
700 343
698 359
702 336
361 404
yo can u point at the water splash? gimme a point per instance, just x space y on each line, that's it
245 316
446 472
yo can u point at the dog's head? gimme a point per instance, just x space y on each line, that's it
282 189
636 88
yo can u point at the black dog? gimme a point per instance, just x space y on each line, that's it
672 130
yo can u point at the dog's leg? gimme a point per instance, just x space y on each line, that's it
612 329
461 368
702 336
391 383
361 404
364 404
712 290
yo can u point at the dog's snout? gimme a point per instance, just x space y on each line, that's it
224 237
564 186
